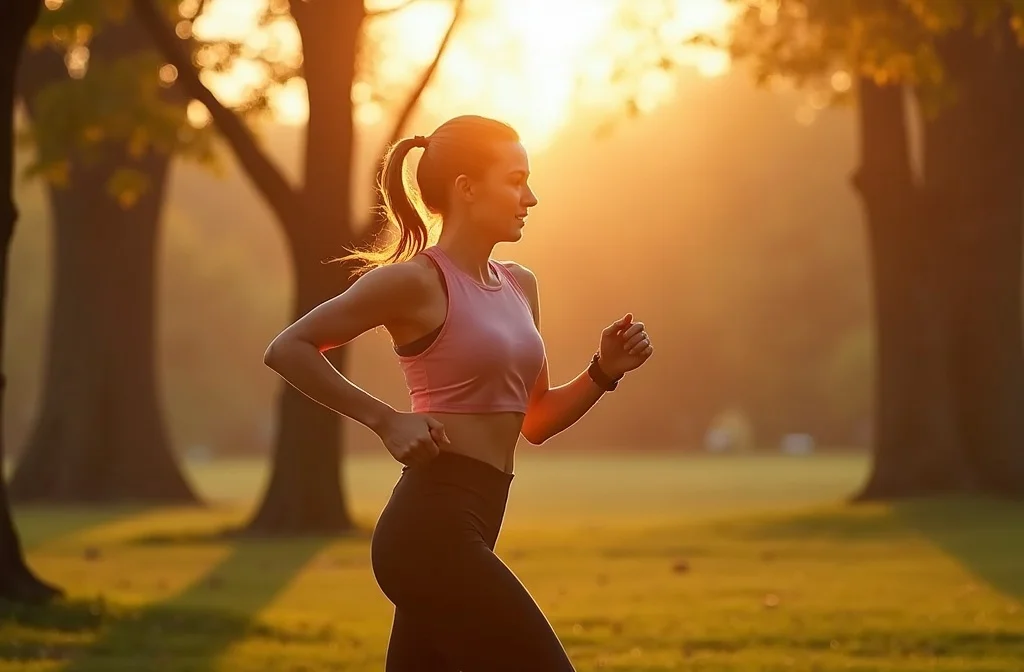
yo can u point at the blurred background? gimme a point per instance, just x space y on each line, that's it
815 208
721 215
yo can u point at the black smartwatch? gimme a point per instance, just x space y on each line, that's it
600 377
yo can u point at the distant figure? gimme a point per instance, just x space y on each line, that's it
466 331
797 444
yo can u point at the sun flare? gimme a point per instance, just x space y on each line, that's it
533 63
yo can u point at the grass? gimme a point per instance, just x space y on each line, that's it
641 563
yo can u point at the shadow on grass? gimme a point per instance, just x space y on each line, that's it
985 536
865 643
39 525
67 617
191 630
834 524
228 533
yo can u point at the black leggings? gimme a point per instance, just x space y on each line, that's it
458 608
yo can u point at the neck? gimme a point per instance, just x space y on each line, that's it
468 253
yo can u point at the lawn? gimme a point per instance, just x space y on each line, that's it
641 562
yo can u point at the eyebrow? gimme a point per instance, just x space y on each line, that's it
519 171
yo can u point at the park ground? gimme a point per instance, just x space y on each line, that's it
642 562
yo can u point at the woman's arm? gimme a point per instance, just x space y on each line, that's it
554 409
296 354
385 296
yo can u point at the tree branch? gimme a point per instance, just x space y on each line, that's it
402 120
414 98
390 10
200 8
282 198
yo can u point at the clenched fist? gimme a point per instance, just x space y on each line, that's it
625 346
413 438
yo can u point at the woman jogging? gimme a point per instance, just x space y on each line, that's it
466 331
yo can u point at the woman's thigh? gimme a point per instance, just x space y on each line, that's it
480 618
411 649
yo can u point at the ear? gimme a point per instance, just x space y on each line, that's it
464 188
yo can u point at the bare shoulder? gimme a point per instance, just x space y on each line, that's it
528 281
388 294
412 279
524 276
383 296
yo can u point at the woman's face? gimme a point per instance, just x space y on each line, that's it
499 200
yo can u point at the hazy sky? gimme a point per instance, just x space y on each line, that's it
529 62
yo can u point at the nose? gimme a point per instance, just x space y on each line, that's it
529 198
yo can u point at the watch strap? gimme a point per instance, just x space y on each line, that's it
599 377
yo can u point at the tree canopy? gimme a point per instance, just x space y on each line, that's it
825 45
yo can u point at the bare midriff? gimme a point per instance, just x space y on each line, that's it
488 437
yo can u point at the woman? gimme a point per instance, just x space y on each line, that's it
467 335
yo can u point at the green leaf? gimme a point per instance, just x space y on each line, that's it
127 186
120 99
804 41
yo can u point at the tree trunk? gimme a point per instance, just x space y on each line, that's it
965 374
305 494
306 489
975 168
988 357
100 435
916 443
17 581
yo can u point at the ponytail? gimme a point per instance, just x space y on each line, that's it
461 145
400 209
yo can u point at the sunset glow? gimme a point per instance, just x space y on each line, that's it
532 63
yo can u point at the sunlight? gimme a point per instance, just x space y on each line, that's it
533 63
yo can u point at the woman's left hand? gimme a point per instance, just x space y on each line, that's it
625 345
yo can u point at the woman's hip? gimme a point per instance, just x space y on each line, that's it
449 495
439 513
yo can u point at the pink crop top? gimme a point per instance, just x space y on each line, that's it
487 354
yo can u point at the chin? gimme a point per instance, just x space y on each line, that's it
507 233
514 236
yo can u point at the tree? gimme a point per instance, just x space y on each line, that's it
945 240
104 135
17 581
304 494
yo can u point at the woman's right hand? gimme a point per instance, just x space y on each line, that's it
412 438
